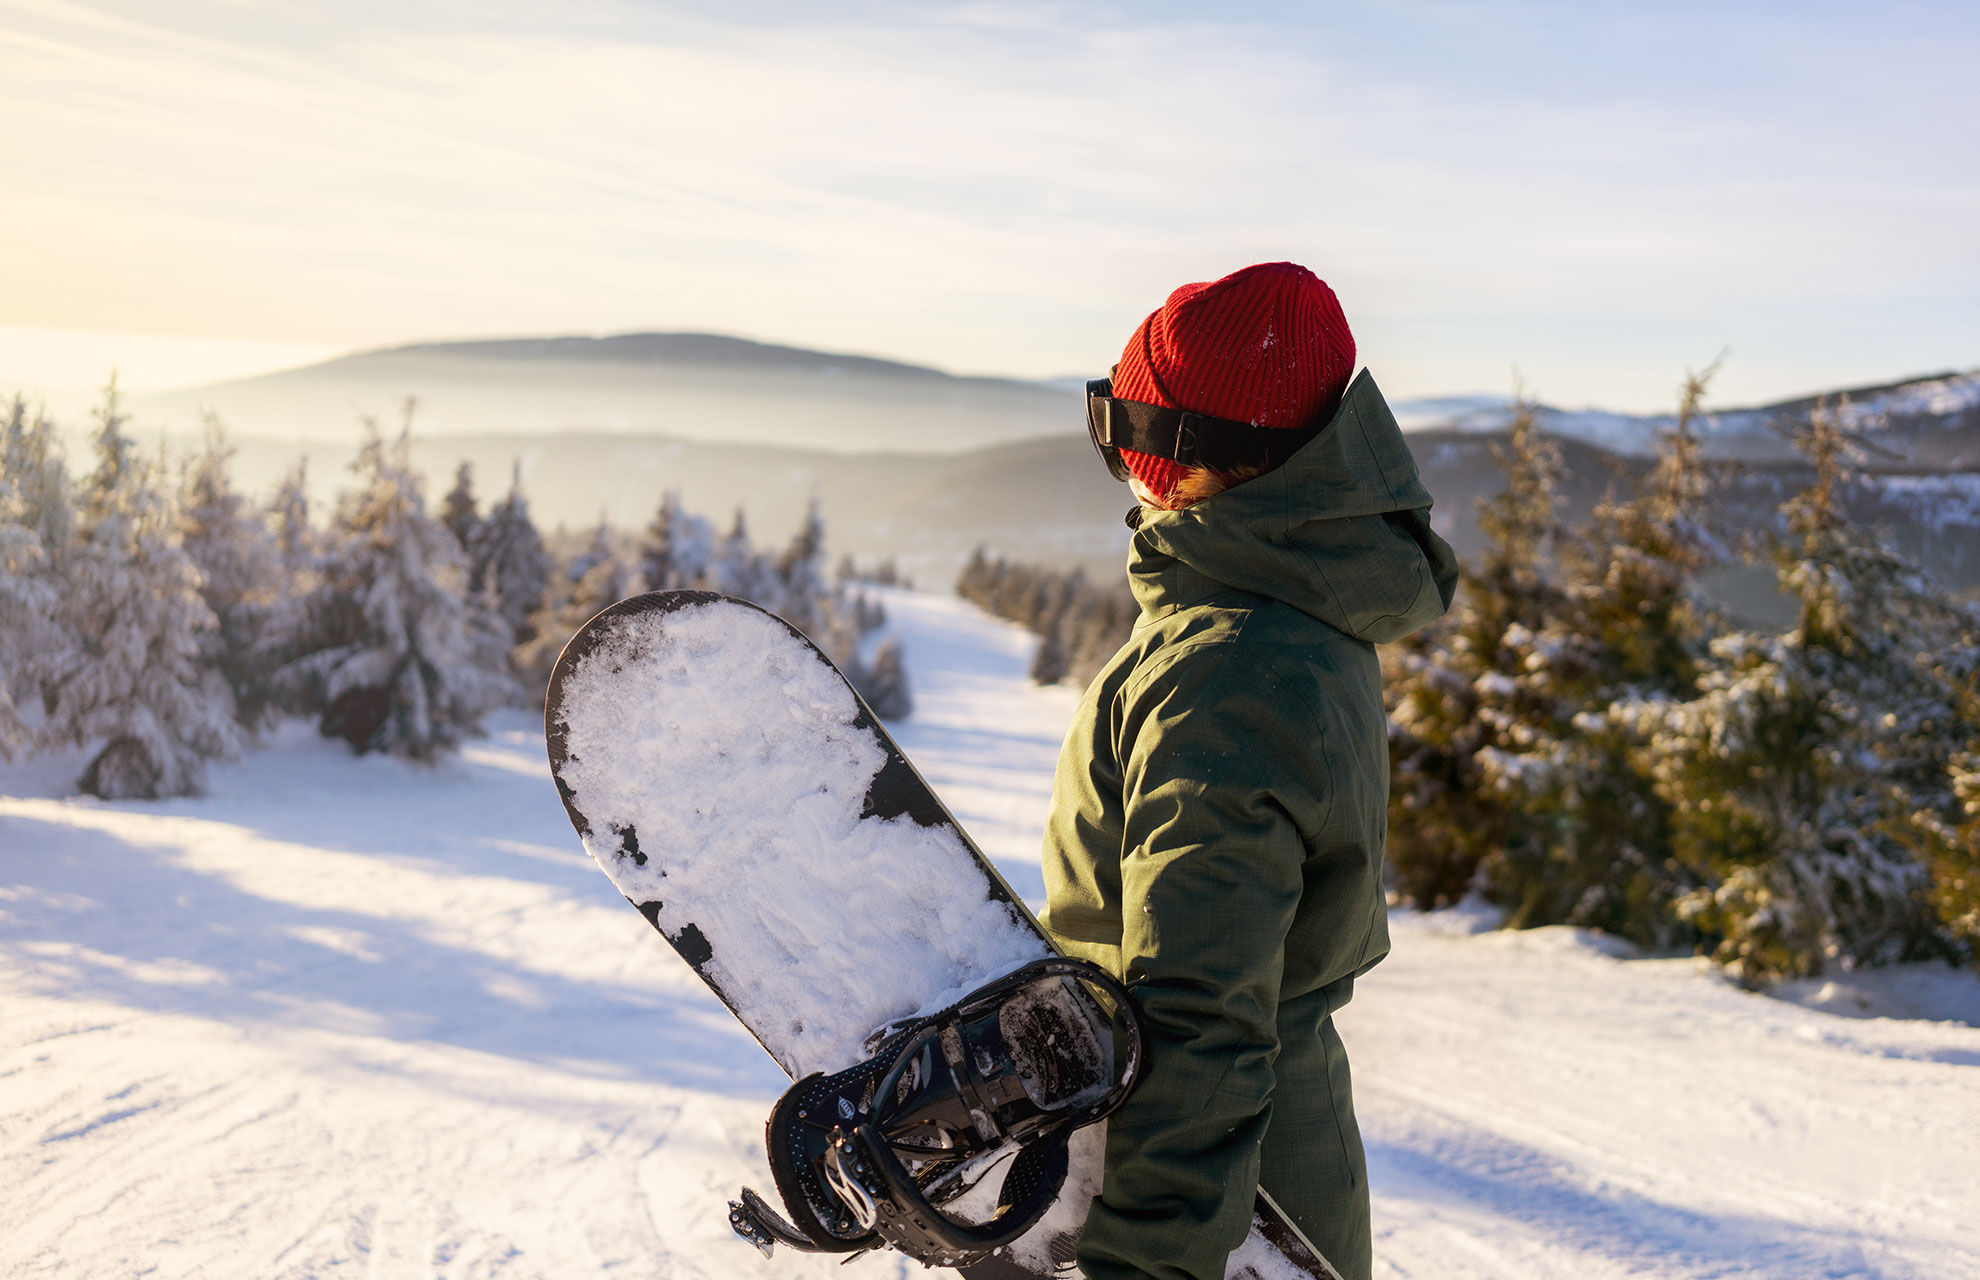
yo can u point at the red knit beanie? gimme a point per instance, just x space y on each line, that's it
1266 345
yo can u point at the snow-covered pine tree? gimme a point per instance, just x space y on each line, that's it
802 593
602 547
288 514
508 562
737 569
34 534
132 676
1049 664
1946 838
1792 775
657 569
1080 626
1059 597
1475 714
868 614
1628 631
884 684
290 625
596 580
240 572
458 510
392 656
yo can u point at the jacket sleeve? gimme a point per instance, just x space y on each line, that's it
1217 792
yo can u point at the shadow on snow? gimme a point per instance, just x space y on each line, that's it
206 948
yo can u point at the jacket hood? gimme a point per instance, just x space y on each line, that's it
1341 531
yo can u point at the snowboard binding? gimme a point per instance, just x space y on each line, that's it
865 1158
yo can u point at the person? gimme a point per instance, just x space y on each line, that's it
1215 837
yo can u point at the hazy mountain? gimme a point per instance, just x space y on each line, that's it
921 465
1047 500
691 386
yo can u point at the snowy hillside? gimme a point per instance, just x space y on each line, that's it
352 1017
1892 417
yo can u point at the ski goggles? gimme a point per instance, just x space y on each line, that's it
1191 439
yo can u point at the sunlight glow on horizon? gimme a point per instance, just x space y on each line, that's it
1600 197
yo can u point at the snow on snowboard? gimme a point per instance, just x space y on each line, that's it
949 1065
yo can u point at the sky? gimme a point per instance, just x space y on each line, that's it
1599 195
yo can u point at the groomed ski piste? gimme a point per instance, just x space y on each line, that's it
352 1017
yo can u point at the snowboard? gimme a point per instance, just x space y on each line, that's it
744 799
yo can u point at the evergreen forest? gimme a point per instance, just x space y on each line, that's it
156 619
1585 740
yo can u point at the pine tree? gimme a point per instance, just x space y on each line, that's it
288 511
291 626
1476 714
458 510
602 547
656 556
799 573
34 534
1080 626
133 677
1598 850
881 681
1792 774
240 576
569 603
1049 664
738 570
508 562
1946 837
391 654
679 551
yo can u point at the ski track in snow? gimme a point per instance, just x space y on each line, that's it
354 1018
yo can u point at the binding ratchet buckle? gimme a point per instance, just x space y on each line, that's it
867 1157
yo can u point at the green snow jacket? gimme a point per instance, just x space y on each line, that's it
1216 840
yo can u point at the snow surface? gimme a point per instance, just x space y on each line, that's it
353 1017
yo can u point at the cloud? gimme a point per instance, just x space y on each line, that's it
1596 192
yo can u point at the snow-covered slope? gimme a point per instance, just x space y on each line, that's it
1889 417
351 1017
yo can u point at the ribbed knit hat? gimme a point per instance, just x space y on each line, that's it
1266 345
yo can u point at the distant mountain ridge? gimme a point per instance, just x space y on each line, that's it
696 386
704 349
923 465
1930 421
730 390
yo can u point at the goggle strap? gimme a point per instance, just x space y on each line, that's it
1193 439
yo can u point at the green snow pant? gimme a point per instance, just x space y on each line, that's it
1311 1160
1310 1157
